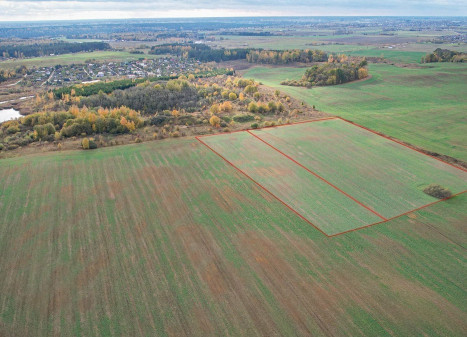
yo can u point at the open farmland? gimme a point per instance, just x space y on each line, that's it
337 175
424 106
166 238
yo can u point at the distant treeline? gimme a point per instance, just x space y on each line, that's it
205 53
200 52
108 87
336 71
247 33
43 49
286 56
445 55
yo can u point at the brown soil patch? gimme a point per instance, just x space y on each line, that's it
91 270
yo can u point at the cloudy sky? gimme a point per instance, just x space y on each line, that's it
26 10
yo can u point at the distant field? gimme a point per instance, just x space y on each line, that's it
166 238
48 61
422 106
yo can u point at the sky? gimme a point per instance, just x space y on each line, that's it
29 10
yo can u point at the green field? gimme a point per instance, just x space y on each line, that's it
385 176
75 58
167 239
422 106
324 206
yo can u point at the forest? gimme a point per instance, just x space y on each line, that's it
286 56
44 49
200 52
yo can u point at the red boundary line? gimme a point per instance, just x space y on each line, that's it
397 216
301 216
318 176
267 127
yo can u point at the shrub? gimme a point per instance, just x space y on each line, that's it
12 129
437 191
252 107
232 96
92 144
243 118
254 125
85 144
138 140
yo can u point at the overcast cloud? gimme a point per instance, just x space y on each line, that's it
27 10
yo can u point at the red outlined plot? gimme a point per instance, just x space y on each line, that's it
318 176
323 179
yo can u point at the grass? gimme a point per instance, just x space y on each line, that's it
386 176
324 206
75 58
166 238
422 106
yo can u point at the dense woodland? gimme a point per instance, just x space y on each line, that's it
43 49
445 55
337 70
286 56
205 53
201 52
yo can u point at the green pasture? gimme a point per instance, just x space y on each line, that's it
424 106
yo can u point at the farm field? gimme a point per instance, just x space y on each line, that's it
65 59
166 238
204 251
327 208
395 101
387 177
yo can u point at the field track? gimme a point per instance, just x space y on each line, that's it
400 199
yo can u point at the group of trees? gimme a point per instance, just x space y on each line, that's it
337 70
49 126
109 87
43 49
148 98
286 56
6 74
201 52
445 55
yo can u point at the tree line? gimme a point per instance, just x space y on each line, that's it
337 70
201 52
205 53
286 56
444 55
43 49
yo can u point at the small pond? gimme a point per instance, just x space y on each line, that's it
7 114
